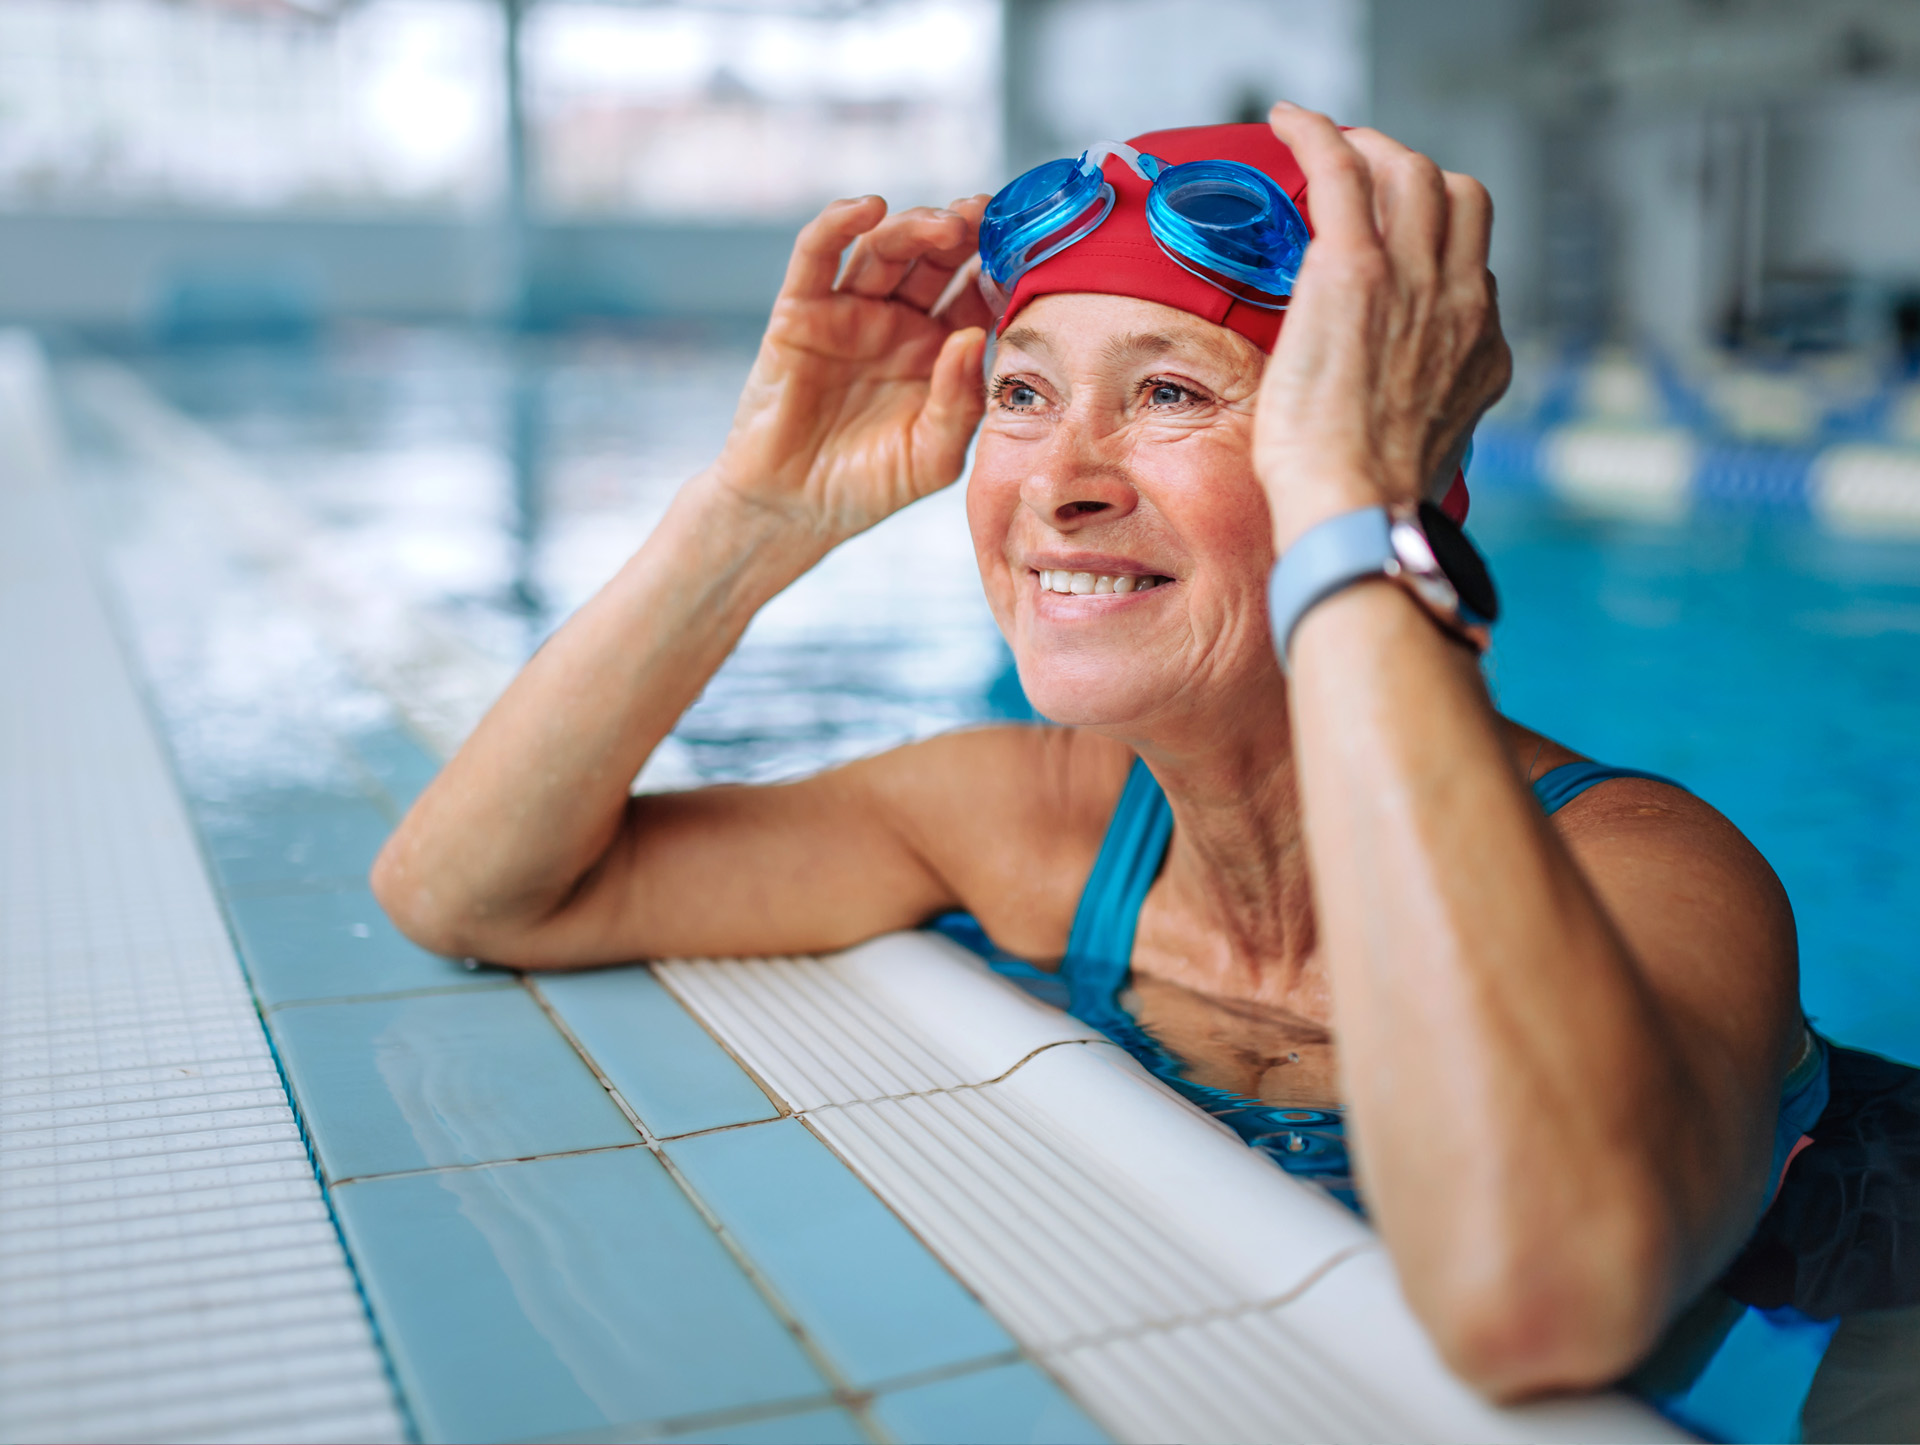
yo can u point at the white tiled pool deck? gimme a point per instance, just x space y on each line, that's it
882 1196
168 1269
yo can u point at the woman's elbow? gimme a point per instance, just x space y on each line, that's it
1572 1318
447 921
1520 1346
415 907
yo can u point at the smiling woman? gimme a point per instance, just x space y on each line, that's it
1555 1002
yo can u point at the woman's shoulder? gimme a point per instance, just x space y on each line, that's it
1021 767
1011 816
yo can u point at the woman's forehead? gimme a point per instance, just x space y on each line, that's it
1083 329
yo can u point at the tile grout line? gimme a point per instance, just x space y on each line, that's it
483 985
527 981
850 1398
1199 1318
428 1170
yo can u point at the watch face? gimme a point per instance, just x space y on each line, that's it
1462 563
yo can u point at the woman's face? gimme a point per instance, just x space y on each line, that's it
1116 454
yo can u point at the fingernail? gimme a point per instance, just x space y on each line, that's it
1285 105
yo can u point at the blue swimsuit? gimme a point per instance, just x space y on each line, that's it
1310 1143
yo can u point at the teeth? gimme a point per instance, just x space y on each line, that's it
1082 584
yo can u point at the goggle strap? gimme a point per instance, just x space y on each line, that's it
1146 167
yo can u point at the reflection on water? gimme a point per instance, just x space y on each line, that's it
472 493
489 491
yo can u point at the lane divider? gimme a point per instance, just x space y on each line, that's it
1660 473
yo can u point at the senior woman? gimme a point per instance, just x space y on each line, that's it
1560 1042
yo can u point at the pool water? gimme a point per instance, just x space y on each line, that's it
491 487
1773 670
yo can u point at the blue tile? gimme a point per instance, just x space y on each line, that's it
857 1278
302 946
450 1078
284 841
403 767
667 1067
1014 1404
562 1295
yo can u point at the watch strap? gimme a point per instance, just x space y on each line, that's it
1325 559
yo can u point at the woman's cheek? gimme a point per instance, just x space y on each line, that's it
993 497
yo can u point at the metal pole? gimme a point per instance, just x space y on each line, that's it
1024 140
525 410
517 204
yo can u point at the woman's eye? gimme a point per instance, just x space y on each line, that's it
1167 393
1018 395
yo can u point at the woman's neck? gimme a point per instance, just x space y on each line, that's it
1232 914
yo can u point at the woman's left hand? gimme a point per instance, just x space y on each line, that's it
1392 346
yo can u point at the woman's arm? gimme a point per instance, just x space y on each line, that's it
1563 1053
526 848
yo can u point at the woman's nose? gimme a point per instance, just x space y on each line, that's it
1076 479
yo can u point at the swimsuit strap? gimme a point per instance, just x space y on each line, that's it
1559 786
1100 947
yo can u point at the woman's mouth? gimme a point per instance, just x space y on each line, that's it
1086 584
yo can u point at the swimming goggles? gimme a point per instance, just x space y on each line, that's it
1224 221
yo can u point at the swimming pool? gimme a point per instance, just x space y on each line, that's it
490 488
1771 667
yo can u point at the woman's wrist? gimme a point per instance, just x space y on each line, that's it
1300 501
754 548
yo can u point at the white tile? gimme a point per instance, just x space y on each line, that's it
288 1292
168 1264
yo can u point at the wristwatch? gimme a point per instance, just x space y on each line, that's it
1417 545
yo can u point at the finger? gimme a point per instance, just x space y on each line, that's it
1339 183
823 240
1469 228
884 257
1409 203
961 304
931 277
956 400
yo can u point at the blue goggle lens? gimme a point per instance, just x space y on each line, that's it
1040 214
1230 225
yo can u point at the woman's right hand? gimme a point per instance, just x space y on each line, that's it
862 401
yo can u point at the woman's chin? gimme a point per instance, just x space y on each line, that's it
1084 695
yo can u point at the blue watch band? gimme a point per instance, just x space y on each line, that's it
1335 554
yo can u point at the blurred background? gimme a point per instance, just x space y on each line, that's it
1725 172
382 330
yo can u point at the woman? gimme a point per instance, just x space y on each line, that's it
1560 1041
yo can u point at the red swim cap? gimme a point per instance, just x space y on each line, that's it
1121 258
